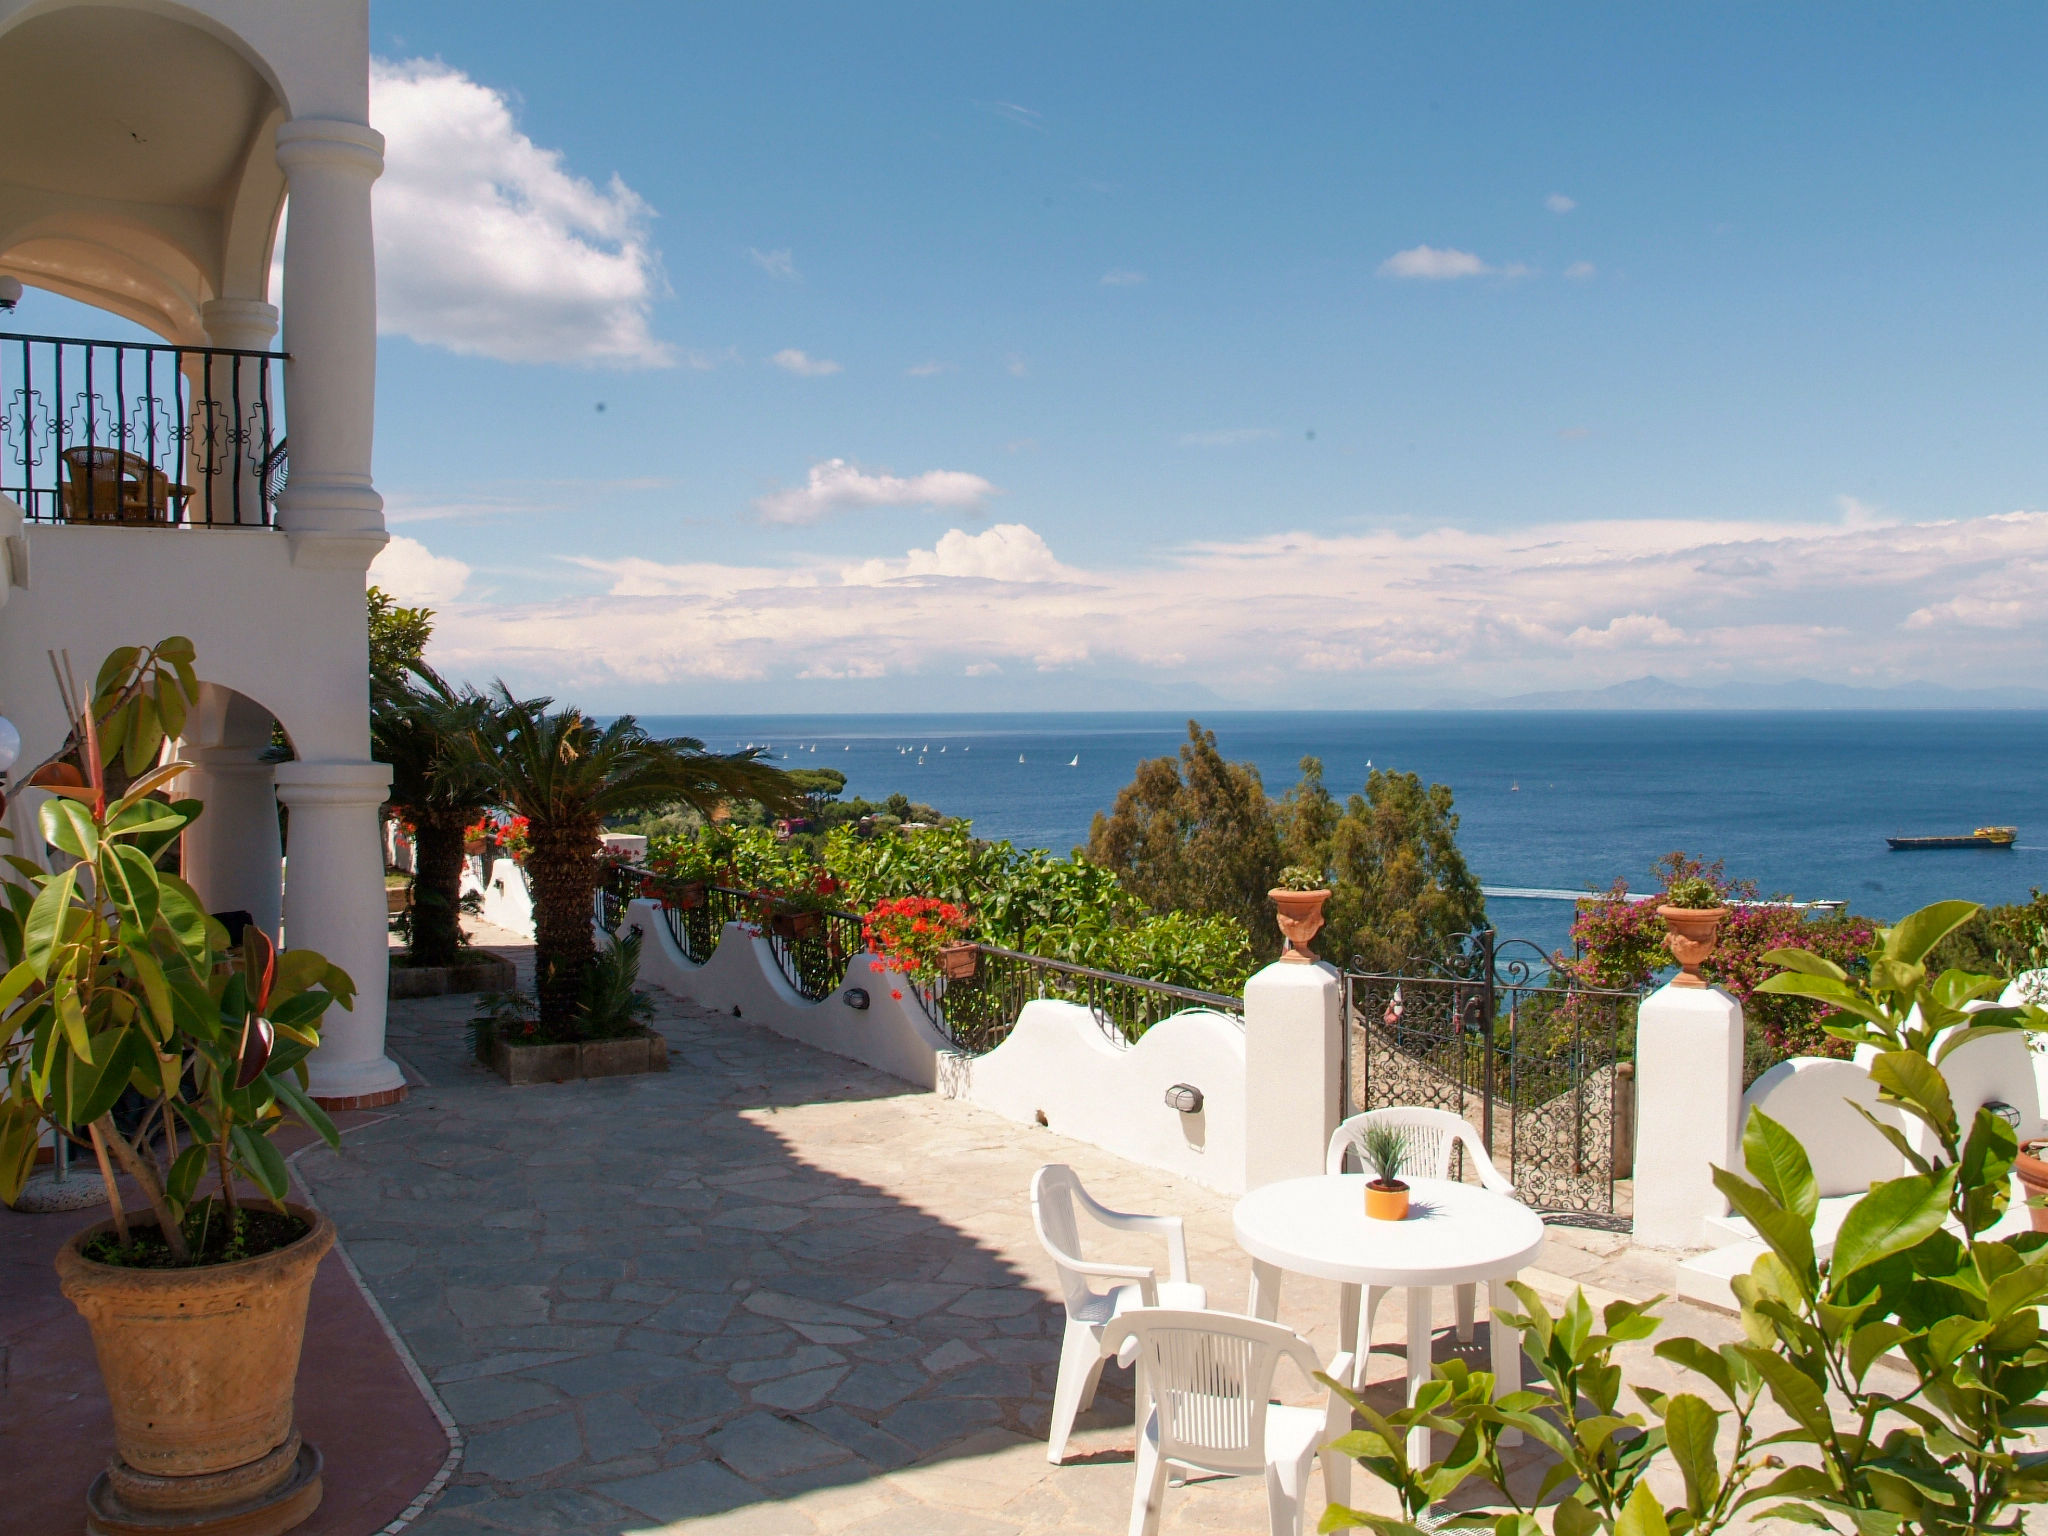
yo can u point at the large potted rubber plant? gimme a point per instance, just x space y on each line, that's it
118 988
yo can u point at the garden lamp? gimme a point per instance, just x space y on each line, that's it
10 292
10 745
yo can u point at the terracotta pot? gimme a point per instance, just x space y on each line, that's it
958 962
689 894
1689 935
200 1367
1301 917
1386 1200
2032 1167
793 925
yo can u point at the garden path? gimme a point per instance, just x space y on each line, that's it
769 1291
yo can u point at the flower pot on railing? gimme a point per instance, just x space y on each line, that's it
689 895
1301 918
959 962
793 925
1690 934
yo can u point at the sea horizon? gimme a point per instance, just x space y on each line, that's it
1799 801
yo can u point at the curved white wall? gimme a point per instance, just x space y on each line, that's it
1056 1062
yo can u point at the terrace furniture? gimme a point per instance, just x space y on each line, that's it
1209 1377
1433 1135
1454 1234
1056 1197
112 485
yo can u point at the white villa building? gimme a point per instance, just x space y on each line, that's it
149 491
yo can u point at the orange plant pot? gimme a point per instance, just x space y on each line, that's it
1690 934
1300 914
1386 1200
2032 1167
958 962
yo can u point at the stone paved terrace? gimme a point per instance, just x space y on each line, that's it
769 1291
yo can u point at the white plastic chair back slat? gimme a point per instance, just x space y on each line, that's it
1054 1194
1433 1134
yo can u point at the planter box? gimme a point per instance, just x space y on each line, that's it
479 973
521 1065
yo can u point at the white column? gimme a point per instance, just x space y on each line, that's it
238 413
330 507
1293 1065
1688 1112
334 902
232 852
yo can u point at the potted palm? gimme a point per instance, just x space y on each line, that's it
566 774
1692 910
115 977
1384 1151
1298 900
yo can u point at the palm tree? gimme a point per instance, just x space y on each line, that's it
422 728
565 774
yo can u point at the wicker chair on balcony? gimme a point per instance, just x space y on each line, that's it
112 485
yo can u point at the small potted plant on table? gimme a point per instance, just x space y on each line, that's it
1298 899
1384 1151
1692 910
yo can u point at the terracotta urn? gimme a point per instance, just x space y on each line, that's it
1301 917
958 962
1690 933
1386 1199
200 1366
793 925
2032 1167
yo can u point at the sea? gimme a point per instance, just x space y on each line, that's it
1547 802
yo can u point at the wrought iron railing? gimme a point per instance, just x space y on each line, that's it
977 1013
140 434
813 948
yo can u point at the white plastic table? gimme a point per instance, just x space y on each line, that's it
1454 1234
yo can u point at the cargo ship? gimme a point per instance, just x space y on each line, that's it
1983 837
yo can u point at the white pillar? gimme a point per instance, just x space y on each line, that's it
1688 1112
334 902
238 413
232 852
330 507
1293 1066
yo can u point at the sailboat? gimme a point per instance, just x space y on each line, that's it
1076 762
1513 787
1020 757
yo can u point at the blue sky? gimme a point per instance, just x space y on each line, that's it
1348 354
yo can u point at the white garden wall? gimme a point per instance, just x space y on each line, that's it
1057 1063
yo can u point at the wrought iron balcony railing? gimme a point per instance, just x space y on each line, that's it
140 434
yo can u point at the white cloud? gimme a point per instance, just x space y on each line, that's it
1122 278
1581 270
836 485
1230 437
1557 202
1005 552
928 369
803 364
488 245
1434 264
414 574
1861 514
780 264
1277 618
1016 365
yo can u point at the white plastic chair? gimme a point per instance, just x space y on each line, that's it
1433 1134
1055 1195
1209 1376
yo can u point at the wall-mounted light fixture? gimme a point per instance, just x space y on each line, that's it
10 292
1185 1097
856 998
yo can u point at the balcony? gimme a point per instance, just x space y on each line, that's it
140 434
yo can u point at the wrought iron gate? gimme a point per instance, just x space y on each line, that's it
1544 1070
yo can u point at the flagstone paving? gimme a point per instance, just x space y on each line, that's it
767 1291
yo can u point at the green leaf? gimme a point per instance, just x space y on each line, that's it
1777 1161
47 919
186 1173
1870 1341
298 1102
134 885
114 670
1689 1430
15 982
1806 962
1574 1519
1643 1515
1793 1391
1790 1237
69 825
1908 1078
1895 1215
1909 940
260 1160
1895 1136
